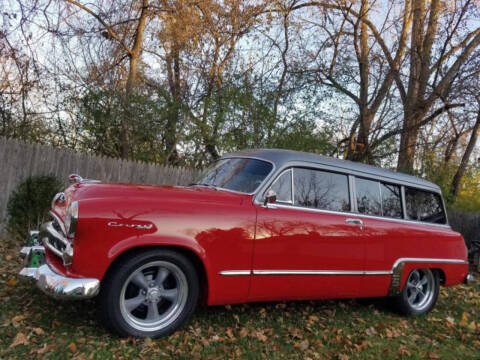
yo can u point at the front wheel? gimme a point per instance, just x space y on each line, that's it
420 292
149 294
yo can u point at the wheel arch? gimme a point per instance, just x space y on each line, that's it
188 253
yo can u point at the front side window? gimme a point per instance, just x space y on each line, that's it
424 206
283 187
321 190
238 174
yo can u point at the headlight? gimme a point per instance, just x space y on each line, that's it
58 198
71 219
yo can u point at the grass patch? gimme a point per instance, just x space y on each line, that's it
35 326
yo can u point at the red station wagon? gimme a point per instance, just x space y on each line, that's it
260 225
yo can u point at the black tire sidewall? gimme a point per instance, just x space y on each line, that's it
405 307
113 282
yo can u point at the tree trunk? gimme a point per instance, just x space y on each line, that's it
359 150
457 178
408 141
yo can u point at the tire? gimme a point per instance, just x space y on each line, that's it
419 294
149 294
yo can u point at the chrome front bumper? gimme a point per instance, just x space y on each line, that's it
56 285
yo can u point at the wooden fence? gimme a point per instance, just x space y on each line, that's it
20 160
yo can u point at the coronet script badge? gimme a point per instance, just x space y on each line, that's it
130 225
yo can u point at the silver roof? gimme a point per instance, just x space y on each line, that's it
281 157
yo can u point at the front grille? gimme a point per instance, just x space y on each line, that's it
52 236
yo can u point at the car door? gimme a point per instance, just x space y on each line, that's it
308 245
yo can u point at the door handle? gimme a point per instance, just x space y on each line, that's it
355 222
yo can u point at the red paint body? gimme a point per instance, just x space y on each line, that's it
227 231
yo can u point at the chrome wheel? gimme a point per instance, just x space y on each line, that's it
154 296
420 289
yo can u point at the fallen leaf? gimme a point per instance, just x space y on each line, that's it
472 326
12 282
260 336
243 332
464 321
230 335
20 339
72 347
18 318
38 331
303 345
433 356
450 322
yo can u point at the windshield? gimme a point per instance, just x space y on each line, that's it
238 174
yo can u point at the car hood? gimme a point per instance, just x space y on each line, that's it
129 192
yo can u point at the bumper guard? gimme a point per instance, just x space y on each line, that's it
56 285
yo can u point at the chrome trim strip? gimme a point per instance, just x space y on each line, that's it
428 260
320 272
235 272
399 264
395 267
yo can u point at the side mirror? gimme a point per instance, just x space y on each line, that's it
270 197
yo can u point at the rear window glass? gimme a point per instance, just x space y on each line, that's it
424 206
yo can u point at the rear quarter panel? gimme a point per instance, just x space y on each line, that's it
390 240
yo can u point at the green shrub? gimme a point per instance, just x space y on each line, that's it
29 204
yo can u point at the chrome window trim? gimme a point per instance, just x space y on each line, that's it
444 209
347 213
272 171
291 188
348 171
353 193
353 203
404 202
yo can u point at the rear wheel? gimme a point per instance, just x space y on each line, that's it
149 294
420 292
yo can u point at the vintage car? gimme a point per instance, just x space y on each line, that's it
260 225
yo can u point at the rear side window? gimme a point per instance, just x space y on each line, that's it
283 187
391 201
368 197
379 199
424 206
321 190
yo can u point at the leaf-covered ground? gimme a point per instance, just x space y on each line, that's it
34 326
